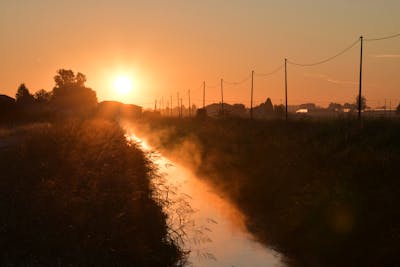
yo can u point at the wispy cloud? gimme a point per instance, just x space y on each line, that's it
387 56
341 82
329 79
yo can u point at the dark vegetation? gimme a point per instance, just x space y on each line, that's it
74 192
324 193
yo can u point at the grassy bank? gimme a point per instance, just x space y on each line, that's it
325 193
77 194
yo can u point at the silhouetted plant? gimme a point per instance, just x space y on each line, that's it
70 95
279 110
42 96
335 107
23 97
268 105
363 102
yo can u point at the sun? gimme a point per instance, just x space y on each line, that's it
123 85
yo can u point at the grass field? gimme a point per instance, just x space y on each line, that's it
77 194
324 193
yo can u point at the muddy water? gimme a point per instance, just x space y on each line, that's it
203 222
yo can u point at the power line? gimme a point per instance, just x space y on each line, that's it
325 60
239 82
270 73
212 86
360 83
382 38
203 86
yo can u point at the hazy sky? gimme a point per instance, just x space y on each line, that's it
171 46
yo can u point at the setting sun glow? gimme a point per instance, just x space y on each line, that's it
123 85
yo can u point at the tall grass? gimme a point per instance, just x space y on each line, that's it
77 194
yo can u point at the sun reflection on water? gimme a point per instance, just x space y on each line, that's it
201 221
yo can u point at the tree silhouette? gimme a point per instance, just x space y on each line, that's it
309 106
350 106
335 106
70 95
279 109
363 102
268 105
23 97
398 109
42 96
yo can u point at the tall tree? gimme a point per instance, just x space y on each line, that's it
23 97
70 93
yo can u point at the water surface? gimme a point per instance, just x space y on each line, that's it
210 226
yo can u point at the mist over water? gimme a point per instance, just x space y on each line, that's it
210 227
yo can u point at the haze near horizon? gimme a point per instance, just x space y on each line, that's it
169 47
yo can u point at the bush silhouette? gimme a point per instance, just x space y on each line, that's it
23 97
70 95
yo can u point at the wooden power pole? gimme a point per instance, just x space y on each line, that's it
222 96
204 95
178 105
190 108
181 109
286 102
170 108
251 98
360 82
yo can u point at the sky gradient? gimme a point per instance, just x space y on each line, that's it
172 46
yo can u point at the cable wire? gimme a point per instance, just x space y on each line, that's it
382 38
325 60
270 73
239 82
212 86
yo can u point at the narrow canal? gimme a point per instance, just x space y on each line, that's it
203 222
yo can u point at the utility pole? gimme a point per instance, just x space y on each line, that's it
155 105
360 82
190 108
167 109
385 107
222 96
251 99
162 105
179 110
204 95
286 105
170 109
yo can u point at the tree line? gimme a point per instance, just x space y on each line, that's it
69 96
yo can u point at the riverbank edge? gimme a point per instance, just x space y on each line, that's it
108 215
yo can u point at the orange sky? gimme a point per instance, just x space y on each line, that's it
172 46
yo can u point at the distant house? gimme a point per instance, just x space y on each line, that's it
6 102
235 110
302 111
201 113
118 110
7 108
